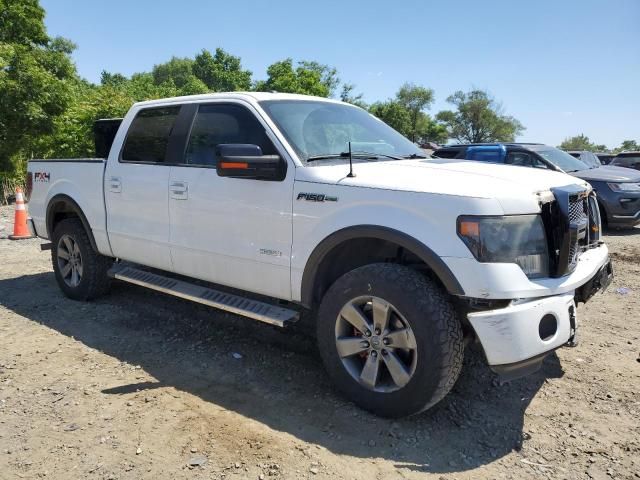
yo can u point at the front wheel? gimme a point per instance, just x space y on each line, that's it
389 339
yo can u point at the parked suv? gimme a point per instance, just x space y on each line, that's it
618 189
267 204
627 160
605 158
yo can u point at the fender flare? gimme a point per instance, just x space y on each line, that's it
428 256
73 206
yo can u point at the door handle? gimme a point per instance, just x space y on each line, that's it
115 185
179 190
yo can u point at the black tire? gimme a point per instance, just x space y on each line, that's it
431 317
94 280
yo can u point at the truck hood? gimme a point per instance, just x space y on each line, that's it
609 174
441 176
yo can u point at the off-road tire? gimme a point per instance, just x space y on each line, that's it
94 281
432 318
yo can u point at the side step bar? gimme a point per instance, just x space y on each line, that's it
246 307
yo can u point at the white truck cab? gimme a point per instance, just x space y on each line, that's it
312 203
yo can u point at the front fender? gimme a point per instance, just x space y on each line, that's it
423 223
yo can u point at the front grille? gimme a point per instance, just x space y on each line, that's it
572 223
577 209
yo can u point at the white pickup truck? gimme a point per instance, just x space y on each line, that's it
264 204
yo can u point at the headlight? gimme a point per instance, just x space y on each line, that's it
516 239
624 187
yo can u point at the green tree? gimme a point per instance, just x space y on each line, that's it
628 145
394 114
579 142
221 72
36 75
177 70
406 114
328 75
309 78
415 100
347 95
478 118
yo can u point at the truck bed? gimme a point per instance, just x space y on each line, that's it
80 179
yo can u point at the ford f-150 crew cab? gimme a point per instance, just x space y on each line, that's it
263 204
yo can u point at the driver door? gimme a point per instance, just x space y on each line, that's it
231 231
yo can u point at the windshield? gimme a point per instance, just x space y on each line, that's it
561 159
319 129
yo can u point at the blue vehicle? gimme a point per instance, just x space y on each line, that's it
618 188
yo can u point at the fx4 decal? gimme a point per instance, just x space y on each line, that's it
316 197
42 177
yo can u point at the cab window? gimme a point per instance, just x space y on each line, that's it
220 124
148 135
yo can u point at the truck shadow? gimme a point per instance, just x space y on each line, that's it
279 380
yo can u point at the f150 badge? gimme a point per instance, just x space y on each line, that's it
43 177
316 197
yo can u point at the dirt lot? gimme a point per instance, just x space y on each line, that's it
140 385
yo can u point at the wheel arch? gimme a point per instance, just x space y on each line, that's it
62 206
318 274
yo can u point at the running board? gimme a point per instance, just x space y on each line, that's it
246 307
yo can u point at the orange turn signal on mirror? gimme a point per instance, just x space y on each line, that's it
469 229
234 165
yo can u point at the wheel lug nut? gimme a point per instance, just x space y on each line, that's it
385 341
377 331
374 354
365 344
367 333
384 352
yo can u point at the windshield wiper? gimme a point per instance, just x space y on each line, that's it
415 155
358 154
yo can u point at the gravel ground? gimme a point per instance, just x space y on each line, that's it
140 385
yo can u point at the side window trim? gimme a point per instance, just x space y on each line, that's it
179 139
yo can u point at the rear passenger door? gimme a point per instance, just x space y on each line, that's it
136 189
232 231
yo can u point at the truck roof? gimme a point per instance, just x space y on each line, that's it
250 96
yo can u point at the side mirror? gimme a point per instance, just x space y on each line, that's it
241 160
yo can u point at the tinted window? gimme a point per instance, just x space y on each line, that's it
218 124
630 161
148 135
523 159
446 153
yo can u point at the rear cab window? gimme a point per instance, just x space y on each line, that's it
148 135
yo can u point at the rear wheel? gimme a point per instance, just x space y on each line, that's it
80 272
389 339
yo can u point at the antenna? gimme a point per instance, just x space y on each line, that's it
351 174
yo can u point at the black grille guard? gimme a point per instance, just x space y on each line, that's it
572 223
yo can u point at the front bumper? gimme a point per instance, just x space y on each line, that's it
516 338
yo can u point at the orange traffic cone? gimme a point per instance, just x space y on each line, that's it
20 229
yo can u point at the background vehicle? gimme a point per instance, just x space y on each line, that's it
605 158
618 188
588 158
296 202
627 160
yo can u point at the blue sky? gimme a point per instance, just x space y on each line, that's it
562 67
